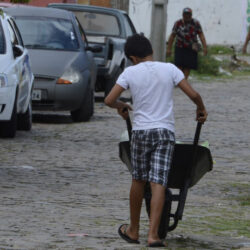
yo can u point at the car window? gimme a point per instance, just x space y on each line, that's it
17 33
47 33
83 36
13 36
98 23
129 27
2 40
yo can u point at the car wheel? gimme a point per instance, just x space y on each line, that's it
111 82
86 109
8 128
24 121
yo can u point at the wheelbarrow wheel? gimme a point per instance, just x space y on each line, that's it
165 217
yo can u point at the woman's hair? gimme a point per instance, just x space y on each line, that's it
138 45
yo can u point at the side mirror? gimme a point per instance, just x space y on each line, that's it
17 50
94 49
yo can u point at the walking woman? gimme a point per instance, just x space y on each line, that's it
185 31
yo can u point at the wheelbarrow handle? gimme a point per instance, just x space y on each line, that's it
129 127
129 124
197 133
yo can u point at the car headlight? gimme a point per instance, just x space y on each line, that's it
3 81
69 77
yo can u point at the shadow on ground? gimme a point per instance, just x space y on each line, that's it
52 118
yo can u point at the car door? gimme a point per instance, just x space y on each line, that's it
21 67
92 64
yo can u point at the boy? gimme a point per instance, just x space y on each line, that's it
151 85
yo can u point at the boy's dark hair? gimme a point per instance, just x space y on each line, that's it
138 45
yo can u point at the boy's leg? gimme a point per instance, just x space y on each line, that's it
139 162
136 197
160 162
156 206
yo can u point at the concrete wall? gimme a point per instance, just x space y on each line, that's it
223 21
140 11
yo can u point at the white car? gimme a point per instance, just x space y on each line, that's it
16 80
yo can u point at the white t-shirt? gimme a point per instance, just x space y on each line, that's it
151 85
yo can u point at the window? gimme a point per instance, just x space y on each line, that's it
98 23
83 36
2 40
129 27
13 37
18 35
47 33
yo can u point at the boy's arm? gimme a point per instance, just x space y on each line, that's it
111 101
201 113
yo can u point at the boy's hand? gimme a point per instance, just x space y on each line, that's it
123 111
201 115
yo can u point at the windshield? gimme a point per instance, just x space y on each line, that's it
2 40
98 24
47 33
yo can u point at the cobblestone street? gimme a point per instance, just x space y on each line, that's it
63 185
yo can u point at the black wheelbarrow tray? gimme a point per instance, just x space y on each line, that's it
191 162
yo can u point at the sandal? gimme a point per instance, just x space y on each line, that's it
125 236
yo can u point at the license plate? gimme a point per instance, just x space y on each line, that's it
36 95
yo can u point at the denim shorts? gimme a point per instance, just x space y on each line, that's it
151 154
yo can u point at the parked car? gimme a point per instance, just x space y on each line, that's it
62 61
109 28
16 80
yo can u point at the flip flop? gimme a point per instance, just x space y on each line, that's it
125 236
157 244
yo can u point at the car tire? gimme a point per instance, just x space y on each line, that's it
8 128
111 82
86 109
24 121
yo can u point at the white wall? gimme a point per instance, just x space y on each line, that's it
140 12
223 21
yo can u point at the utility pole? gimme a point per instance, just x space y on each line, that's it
158 29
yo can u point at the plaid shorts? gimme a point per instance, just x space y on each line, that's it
151 154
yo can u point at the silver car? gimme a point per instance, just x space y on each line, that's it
61 60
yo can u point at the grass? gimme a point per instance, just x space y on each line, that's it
239 192
219 221
226 225
208 65
219 50
229 218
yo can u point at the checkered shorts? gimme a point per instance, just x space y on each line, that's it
151 154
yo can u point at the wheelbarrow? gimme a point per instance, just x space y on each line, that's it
190 163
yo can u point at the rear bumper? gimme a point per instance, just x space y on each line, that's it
7 100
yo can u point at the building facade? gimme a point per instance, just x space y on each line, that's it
119 4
